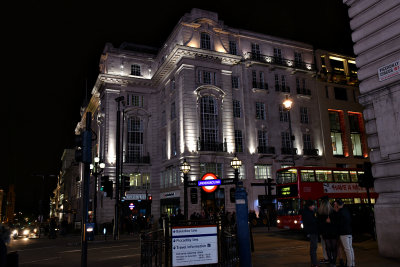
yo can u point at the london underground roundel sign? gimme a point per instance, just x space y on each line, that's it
209 182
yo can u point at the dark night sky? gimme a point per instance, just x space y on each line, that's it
52 49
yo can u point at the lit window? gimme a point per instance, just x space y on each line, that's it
135 70
263 171
205 41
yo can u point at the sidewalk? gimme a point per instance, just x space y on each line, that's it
284 248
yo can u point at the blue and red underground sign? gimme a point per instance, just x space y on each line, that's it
209 182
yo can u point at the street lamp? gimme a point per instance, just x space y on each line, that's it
236 164
185 169
96 169
287 104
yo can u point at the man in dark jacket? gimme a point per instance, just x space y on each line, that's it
311 228
345 231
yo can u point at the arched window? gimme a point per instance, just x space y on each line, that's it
205 41
134 153
209 123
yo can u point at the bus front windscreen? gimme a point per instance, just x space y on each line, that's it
288 207
286 176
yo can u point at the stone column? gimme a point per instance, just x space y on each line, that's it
376 37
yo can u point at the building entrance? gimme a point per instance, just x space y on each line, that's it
213 203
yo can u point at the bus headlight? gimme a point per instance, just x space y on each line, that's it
295 221
278 221
26 232
301 226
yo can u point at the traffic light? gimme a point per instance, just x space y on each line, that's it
126 183
366 179
83 142
107 186
103 183
149 198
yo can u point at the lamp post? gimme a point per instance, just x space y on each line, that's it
96 169
185 169
236 164
287 104
242 217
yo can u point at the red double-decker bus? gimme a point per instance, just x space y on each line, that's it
295 185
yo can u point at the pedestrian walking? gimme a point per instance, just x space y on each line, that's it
328 228
345 231
4 240
311 228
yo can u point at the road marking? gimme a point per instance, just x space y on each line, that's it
48 259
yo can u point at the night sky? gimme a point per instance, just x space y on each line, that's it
52 53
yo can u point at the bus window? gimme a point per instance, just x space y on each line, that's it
307 175
357 200
288 207
353 176
324 176
341 176
287 176
359 173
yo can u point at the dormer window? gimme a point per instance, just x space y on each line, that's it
205 41
135 70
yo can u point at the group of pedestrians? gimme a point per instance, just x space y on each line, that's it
332 224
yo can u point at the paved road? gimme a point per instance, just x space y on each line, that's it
67 252
271 248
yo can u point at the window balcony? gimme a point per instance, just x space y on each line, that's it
280 88
279 61
211 146
303 91
288 151
137 159
266 150
311 152
258 85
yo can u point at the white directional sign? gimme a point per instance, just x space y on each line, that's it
194 245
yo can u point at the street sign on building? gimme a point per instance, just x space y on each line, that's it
194 245
389 70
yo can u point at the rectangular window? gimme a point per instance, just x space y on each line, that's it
236 109
334 121
135 70
172 84
283 114
173 145
134 140
337 145
216 168
304 115
341 176
324 176
277 87
263 171
262 82
205 41
235 81
326 91
135 100
254 78
232 48
354 123
307 141
278 55
260 111
307 176
286 142
164 149
298 59
238 141
206 77
340 93
356 143
255 51
262 138
173 113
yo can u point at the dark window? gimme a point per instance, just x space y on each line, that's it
238 141
135 70
205 42
236 108
340 93
232 48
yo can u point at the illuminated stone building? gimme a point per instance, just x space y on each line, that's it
209 93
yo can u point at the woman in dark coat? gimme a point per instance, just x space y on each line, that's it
4 240
328 227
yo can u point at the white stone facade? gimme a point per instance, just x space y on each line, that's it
376 34
186 102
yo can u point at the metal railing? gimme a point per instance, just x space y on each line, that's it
288 150
285 89
311 152
211 146
266 149
279 61
259 85
303 91
137 159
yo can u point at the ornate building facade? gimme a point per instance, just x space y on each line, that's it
212 92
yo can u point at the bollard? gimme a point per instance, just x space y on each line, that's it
242 221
